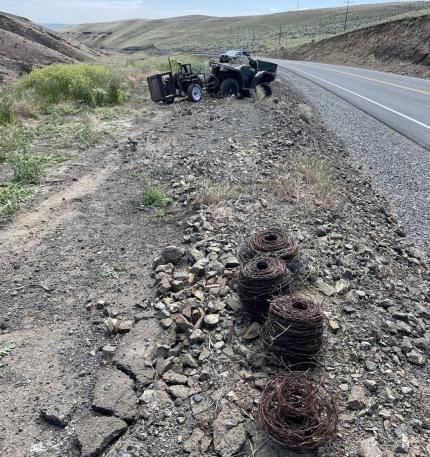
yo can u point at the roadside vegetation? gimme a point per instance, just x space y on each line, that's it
212 192
309 181
55 114
155 195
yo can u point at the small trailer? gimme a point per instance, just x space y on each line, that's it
165 87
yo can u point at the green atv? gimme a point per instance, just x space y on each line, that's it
227 80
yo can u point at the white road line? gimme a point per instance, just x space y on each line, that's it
365 98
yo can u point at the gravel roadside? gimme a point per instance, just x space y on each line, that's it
398 168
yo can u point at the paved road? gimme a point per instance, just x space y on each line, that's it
401 102
398 167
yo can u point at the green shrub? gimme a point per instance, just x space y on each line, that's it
27 168
11 198
155 195
92 85
6 115
14 139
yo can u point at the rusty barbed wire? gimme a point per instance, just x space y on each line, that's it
294 330
297 413
259 281
273 242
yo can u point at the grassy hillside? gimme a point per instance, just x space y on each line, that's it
197 33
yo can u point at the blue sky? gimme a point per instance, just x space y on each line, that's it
78 11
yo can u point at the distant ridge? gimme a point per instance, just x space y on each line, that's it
56 26
205 33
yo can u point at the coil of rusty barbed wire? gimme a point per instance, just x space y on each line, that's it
260 280
297 413
294 330
273 242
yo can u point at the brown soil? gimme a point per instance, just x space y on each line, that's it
24 44
401 46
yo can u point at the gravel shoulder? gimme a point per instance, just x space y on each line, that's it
398 168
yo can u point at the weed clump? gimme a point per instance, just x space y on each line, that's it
92 85
155 195
305 112
12 197
6 115
27 168
212 193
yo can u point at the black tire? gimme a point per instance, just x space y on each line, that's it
194 93
229 87
212 85
267 89
169 101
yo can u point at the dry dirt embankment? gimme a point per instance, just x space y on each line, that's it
24 44
401 46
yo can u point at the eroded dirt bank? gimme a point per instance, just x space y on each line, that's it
400 47
180 382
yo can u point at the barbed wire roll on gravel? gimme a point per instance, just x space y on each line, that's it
294 330
273 242
259 281
297 413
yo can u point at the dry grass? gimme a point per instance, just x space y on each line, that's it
212 193
305 112
309 180
258 94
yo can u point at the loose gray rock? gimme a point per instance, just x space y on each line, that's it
231 262
416 357
325 288
198 442
357 398
172 254
229 431
211 320
369 448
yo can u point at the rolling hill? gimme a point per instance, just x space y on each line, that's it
24 44
204 33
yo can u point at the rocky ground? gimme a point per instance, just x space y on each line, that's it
180 368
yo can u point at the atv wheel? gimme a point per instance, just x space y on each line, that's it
229 87
212 85
267 89
194 93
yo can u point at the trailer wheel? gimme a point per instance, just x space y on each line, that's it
194 93
169 101
229 87
267 89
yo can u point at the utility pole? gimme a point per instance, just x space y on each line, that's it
280 35
346 15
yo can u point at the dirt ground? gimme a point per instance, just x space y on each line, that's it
82 257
